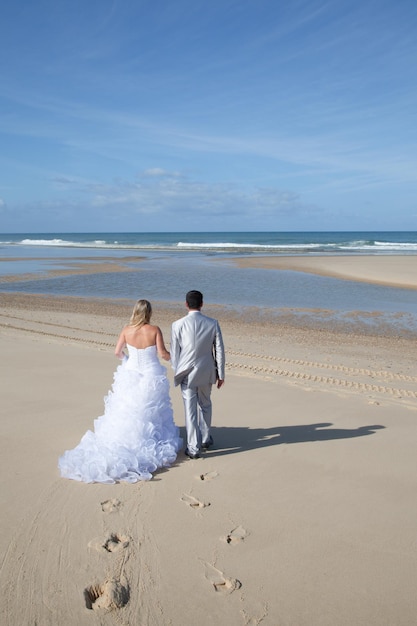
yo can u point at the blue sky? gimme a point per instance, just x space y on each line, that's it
173 115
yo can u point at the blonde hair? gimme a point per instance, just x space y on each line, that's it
142 312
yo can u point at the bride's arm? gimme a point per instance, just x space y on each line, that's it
160 346
121 342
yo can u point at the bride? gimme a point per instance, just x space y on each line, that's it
136 435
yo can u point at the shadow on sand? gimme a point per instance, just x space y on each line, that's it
230 440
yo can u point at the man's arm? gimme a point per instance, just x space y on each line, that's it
219 356
174 348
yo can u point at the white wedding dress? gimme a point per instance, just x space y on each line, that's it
136 435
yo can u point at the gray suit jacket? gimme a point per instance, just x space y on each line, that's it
197 350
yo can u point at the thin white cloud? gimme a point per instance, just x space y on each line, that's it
166 196
159 172
356 150
162 203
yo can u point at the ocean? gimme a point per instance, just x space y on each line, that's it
221 242
166 265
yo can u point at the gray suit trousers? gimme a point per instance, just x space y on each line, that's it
198 411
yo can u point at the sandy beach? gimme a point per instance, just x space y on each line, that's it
302 514
392 270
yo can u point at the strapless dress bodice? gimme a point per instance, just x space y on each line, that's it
144 359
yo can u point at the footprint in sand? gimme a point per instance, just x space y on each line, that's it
111 506
109 595
237 535
113 543
193 502
208 476
220 582
116 542
252 620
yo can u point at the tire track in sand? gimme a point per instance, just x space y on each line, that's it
325 375
328 376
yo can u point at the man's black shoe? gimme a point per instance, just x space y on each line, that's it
191 455
207 444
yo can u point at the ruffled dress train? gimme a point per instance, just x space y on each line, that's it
136 435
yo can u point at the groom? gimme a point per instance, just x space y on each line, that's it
197 356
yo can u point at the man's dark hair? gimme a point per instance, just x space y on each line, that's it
194 299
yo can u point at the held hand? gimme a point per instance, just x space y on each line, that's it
220 383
